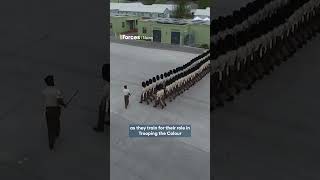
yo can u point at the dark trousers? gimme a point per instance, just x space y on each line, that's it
102 113
53 124
126 101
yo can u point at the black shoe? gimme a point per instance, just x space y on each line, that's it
98 129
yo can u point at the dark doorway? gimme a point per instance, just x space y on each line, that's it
156 35
175 37
131 25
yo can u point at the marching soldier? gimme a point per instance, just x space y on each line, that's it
144 93
160 97
148 93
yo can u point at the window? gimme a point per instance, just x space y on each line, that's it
136 22
144 30
123 24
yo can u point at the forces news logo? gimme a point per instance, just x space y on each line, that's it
135 37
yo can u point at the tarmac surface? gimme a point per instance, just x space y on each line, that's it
156 158
272 131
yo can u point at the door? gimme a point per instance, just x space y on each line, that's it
131 25
175 37
156 35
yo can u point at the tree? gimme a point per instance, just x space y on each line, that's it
160 1
181 10
204 3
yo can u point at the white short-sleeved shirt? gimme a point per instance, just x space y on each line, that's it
126 92
51 96
160 93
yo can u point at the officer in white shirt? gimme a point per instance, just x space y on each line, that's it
126 94
53 100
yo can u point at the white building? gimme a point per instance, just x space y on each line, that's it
201 13
141 10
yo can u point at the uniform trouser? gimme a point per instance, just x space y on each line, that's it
223 88
229 85
214 86
286 52
294 42
252 72
314 26
143 98
259 67
149 96
299 38
236 80
126 101
278 55
290 47
243 77
309 31
53 124
159 101
102 114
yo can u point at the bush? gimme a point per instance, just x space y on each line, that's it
204 46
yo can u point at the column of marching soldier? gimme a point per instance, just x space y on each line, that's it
242 19
272 15
174 82
238 16
244 63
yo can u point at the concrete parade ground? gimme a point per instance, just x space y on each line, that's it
156 158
